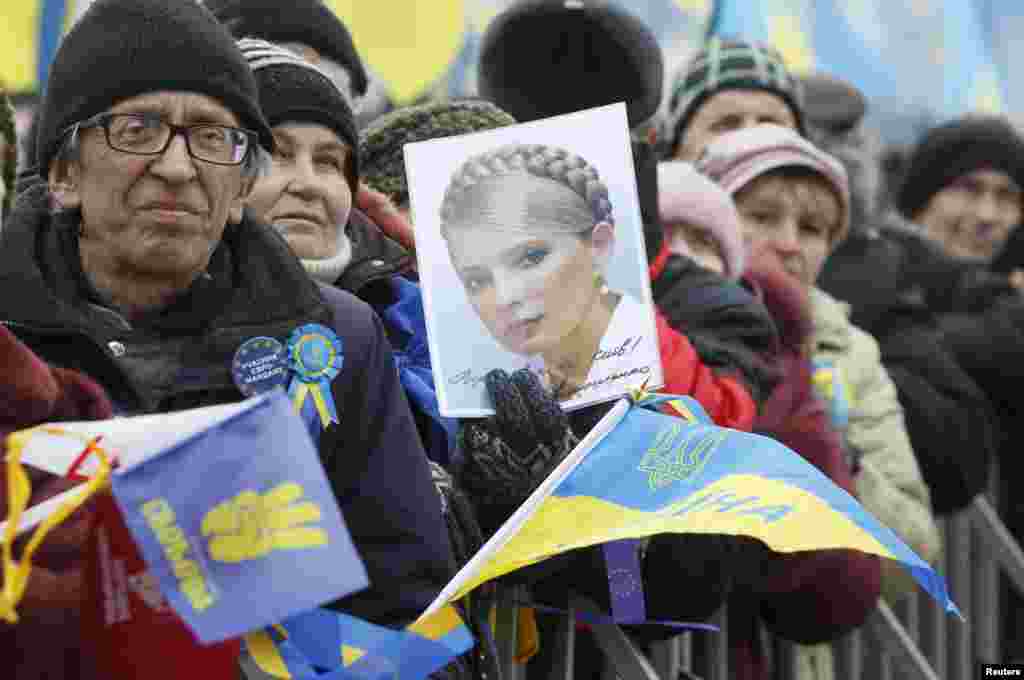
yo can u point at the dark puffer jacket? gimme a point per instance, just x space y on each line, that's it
917 303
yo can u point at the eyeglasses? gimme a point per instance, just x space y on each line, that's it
149 135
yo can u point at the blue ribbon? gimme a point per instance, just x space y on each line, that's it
315 358
625 580
832 388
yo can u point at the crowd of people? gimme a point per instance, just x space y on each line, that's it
201 173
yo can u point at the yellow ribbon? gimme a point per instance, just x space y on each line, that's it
318 400
16 573
264 652
639 394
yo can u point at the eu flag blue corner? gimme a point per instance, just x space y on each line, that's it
239 524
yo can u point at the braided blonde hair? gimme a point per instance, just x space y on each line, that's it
537 160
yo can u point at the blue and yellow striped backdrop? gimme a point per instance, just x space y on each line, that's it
919 61
934 57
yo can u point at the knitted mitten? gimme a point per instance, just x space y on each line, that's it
509 454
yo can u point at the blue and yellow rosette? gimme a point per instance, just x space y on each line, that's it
315 358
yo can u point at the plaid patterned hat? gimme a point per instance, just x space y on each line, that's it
729 65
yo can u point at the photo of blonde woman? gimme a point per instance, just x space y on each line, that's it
531 232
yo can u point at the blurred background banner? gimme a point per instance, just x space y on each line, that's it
918 61
30 31
409 44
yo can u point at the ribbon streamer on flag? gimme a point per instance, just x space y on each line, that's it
16 572
215 509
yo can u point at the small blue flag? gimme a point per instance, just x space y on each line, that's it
239 524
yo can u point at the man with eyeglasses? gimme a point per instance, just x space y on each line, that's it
148 278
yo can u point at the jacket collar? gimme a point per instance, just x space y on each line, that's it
374 254
254 277
831 319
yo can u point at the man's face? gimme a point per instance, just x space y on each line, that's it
727 111
154 216
973 217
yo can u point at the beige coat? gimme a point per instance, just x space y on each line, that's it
889 484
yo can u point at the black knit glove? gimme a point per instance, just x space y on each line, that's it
509 454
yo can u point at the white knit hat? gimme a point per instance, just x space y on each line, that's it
685 195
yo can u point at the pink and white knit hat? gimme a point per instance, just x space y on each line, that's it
736 159
685 195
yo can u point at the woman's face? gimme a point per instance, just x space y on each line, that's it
792 219
306 194
696 243
530 288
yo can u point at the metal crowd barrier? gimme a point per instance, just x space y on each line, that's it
912 638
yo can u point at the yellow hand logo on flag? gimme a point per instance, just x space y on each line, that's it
250 526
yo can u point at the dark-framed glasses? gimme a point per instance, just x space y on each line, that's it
145 134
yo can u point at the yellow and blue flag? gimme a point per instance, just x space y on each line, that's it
326 644
30 31
239 524
654 474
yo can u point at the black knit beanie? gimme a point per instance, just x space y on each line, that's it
957 148
124 48
544 58
308 22
293 90
383 139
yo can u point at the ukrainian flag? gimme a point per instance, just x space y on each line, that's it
655 474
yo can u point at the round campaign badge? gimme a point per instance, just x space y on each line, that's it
260 365
315 354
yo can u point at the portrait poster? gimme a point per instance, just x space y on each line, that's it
531 255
